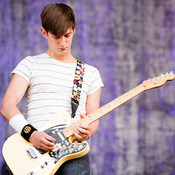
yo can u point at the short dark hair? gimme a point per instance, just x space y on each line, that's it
57 19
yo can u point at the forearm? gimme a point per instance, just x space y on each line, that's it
93 103
13 116
9 110
94 127
18 122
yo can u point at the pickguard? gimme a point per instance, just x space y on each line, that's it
63 145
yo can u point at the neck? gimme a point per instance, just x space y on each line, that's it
66 58
90 118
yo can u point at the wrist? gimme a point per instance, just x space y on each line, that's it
18 122
22 126
27 131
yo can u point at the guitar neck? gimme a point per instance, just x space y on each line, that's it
68 131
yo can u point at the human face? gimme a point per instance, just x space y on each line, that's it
59 46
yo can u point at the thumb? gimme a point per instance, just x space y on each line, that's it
82 116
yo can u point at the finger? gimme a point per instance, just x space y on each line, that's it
81 136
47 142
77 134
42 140
47 148
47 145
49 138
83 131
85 127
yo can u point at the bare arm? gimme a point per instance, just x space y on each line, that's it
93 101
12 97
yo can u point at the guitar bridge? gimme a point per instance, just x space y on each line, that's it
34 152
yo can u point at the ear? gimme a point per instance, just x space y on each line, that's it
43 32
74 30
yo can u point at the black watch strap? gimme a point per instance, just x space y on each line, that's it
27 131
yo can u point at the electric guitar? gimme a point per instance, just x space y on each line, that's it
25 159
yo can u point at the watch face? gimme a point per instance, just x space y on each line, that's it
27 129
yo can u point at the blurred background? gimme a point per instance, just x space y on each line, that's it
128 41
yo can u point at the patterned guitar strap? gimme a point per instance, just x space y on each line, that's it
77 86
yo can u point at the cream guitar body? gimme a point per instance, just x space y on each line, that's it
24 159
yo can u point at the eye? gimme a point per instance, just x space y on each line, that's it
55 37
67 35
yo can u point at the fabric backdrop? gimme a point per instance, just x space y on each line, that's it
128 41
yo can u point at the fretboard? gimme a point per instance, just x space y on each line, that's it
90 118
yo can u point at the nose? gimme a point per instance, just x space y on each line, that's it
62 40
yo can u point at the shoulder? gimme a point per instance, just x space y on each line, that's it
36 58
90 69
92 73
92 79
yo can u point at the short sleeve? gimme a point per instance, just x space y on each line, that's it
24 68
96 82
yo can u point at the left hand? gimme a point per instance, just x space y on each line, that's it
82 132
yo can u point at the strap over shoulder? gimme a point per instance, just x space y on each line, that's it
77 86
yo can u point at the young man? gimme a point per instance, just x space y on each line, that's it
47 80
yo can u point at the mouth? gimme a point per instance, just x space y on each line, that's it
63 48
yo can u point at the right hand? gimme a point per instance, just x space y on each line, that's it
42 140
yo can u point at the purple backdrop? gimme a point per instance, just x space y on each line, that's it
128 41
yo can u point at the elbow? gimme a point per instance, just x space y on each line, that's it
8 109
2 110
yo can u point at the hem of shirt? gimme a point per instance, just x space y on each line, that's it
96 89
22 75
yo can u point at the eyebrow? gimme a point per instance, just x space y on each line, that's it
68 33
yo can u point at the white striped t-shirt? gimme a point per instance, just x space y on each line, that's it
50 87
